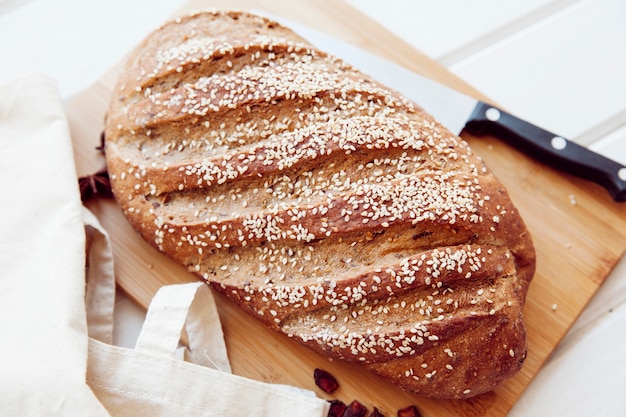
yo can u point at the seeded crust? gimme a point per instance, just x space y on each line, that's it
326 205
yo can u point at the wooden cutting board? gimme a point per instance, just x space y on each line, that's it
578 231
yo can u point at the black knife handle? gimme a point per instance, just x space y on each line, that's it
551 149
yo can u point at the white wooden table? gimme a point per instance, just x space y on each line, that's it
558 63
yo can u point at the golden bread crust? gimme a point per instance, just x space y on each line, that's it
326 205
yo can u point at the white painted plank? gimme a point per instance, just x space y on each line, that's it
74 51
613 145
566 72
448 29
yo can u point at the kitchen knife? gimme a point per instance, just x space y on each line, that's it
457 111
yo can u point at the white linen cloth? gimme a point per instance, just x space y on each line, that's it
56 299
43 348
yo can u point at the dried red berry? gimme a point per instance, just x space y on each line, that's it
376 413
355 409
410 411
336 409
325 381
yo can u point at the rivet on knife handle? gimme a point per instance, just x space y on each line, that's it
551 149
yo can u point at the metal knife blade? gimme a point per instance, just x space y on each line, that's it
457 111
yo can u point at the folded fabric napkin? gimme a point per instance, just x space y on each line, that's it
56 299
42 249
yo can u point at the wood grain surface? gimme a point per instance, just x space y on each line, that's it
578 231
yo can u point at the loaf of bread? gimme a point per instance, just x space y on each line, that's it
326 205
